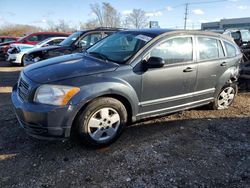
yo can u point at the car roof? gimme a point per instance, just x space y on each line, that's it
100 29
8 37
158 32
48 32
150 32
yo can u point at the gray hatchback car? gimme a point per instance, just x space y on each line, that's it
126 77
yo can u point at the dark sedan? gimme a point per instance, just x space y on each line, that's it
76 42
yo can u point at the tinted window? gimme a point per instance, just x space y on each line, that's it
72 38
38 37
9 39
209 48
89 40
174 50
33 38
236 35
55 41
231 50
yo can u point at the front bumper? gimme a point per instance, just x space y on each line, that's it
43 121
14 58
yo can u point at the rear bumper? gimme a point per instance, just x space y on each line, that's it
43 121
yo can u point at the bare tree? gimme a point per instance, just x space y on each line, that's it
136 19
59 26
18 30
97 11
106 16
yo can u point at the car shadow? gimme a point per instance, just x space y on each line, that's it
208 144
135 134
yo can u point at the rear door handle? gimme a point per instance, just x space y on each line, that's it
224 64
189 69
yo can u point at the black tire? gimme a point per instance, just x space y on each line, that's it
230 90
94 112
22 61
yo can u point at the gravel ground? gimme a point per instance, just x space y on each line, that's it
195 148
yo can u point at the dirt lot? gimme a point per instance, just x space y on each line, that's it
196 148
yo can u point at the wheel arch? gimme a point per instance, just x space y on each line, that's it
127 104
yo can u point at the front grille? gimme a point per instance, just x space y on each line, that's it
23 90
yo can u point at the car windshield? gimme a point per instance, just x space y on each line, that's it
69 40
245 36
119 47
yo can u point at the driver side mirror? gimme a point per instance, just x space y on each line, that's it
155 62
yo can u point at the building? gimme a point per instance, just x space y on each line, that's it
223 24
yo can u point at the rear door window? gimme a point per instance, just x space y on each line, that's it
209 48
231 50
174 50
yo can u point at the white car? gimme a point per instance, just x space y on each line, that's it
17 52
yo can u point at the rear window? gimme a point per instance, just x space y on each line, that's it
230 49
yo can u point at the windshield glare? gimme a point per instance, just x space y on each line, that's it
245 36
69 40
120 47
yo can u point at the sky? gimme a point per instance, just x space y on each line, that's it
169 13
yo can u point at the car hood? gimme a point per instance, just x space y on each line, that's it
22 47
68 66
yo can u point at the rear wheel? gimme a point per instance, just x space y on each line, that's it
102 121
226 97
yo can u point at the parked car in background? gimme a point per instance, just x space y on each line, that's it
128 76
17 52
242 39
4 39
32 39
76 42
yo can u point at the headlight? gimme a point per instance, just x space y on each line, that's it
55 94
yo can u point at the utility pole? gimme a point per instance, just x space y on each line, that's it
186 14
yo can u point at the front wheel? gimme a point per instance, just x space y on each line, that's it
226 97
102 121
23 59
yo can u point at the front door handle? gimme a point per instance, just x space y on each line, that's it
224 64
189 69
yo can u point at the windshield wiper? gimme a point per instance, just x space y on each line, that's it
100 55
